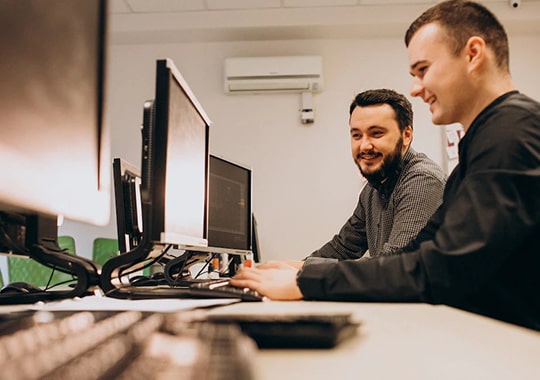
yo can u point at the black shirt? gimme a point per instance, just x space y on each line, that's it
480 251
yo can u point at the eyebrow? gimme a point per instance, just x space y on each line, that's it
370 128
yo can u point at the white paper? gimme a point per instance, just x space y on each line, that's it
98 303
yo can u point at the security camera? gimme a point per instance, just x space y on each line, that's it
515 3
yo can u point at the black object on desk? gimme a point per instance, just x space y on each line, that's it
293 331
48 253
195 290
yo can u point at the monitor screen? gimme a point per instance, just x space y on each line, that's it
53 148
127 195
175 162
229 215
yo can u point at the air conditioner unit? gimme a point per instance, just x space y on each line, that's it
273 74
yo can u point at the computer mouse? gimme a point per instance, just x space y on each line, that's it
20 287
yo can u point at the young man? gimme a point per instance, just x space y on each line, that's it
404 187
479 251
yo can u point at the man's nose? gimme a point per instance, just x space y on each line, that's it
416 88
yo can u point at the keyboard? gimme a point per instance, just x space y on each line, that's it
122 345
324 330
222 289
204 289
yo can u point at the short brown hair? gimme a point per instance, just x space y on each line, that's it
399 103
463 20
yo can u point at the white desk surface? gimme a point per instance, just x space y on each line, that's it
403 341
398 341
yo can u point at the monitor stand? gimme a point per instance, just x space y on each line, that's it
177 272
48 253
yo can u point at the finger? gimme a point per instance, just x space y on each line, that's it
244 284
246 274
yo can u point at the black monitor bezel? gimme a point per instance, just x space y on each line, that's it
223 239
128 204
255 242
155 155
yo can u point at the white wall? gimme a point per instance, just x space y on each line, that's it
305 182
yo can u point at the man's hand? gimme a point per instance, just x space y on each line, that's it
274 279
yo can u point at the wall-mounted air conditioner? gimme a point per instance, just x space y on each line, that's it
273 74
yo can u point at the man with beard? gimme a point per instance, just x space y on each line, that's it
404 187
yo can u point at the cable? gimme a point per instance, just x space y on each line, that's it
207 262
131 271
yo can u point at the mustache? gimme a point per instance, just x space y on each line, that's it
369 154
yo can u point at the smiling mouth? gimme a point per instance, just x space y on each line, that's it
369 156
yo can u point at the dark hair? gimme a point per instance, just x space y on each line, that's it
462 20
399 103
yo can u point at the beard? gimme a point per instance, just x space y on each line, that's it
389 164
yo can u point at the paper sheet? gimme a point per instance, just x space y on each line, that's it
97 303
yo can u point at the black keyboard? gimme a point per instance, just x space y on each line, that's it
222 289
199 289
293 330
122 345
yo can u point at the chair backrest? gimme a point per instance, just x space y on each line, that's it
67 243
103 249
28 270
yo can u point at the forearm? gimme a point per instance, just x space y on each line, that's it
393 278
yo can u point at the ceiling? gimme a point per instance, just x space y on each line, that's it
162 21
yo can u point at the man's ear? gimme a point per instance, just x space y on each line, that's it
407 134
475 50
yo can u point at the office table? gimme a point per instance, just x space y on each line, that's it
394 341
403 341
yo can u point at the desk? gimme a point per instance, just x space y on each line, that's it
398 341
404 341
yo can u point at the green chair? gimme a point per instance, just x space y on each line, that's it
103 249
33 272
106 248
67 243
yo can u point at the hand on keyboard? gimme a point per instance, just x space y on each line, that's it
275 280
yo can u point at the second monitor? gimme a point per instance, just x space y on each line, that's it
229 212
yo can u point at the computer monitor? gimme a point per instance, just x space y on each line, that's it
229 216
128 204
174 174
229 205
53 145
54 148
175 160
230 228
